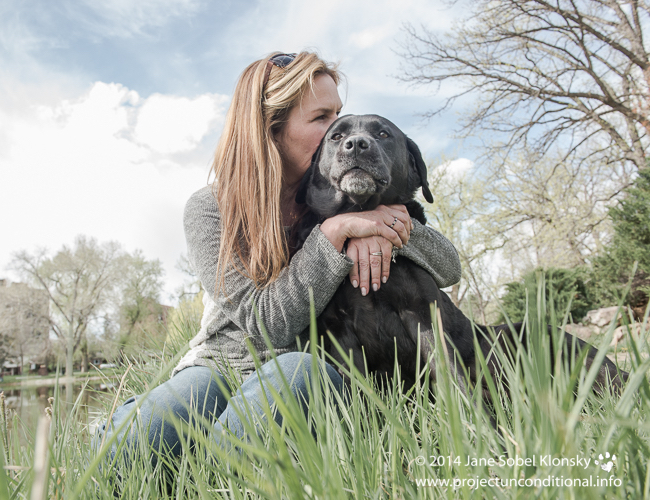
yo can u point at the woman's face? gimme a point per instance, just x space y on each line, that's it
308 121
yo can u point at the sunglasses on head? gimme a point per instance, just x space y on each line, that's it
279 60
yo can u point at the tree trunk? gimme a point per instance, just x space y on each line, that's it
84 356
454 294
69 369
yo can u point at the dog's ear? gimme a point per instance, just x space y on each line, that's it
301 195
420 167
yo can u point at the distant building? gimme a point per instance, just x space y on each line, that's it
24 325
11 367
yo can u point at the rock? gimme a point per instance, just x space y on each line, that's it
621 332
581 331
601 317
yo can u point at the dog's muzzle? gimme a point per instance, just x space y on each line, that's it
364 173
358 182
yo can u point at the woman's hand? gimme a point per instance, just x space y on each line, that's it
369 268
375 231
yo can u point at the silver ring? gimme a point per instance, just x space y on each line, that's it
377 253
394 222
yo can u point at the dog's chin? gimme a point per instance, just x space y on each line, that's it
359 185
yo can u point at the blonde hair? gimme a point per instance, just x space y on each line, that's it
248 167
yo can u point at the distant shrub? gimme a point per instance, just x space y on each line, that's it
563 286
612 269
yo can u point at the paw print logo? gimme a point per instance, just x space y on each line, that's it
605 463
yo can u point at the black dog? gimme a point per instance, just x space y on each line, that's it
362 162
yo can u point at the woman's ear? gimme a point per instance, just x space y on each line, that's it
276 133
417 162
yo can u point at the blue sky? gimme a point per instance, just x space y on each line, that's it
110 111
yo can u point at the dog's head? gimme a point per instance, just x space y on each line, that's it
363 161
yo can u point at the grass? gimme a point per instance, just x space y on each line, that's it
532 443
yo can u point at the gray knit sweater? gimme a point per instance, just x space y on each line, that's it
283 306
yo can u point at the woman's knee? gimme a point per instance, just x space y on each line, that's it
193 390
287 372
297 368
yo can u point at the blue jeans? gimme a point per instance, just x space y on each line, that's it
195 389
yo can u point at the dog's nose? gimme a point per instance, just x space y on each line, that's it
357 142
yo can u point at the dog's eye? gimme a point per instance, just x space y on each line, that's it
383 134
336 137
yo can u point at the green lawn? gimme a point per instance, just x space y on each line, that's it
540 440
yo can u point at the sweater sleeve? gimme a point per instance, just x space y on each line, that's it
434 253
283 305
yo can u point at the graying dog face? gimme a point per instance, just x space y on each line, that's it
363 161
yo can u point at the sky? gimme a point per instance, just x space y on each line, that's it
110 111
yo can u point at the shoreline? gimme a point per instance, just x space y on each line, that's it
50 381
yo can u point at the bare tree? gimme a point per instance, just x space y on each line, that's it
509 217
77 281
573 75
553 212
462 212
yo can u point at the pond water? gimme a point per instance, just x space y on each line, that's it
27 403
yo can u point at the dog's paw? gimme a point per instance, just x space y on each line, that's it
606 466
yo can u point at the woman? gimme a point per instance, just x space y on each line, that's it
236 234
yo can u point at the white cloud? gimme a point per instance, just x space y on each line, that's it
170 124
460 167
371 36
455 170
94 166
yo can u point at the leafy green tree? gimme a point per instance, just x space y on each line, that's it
77 280
563 287
185 318
630 244
88 282
141 314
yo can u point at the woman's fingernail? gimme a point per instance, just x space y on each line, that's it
375 287
384 279
355 283
363 290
